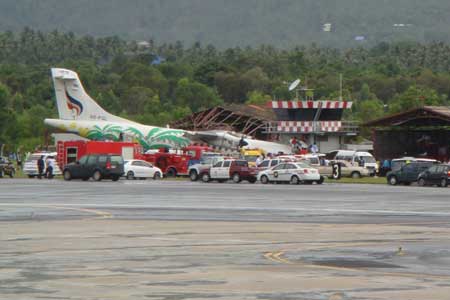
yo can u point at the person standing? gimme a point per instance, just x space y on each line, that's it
40 166
50 167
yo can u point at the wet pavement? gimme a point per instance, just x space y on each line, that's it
183 240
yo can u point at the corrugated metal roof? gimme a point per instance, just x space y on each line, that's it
443 112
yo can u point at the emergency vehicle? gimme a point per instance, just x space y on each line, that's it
71 151
178 163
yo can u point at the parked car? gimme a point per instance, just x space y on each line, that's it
437 174
6 167
293 172
237 170
206 162
30 166
356 158
408 173
268 163
398 163
136 168
97 166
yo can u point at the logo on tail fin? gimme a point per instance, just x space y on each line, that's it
73 104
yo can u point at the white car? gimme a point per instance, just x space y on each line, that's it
293 172
136 168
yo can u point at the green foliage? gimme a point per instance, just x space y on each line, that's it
225 23
258 98
122 77
414 97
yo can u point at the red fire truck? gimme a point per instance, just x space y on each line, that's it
176 164
71 151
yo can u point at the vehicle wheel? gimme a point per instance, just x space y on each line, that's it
392 180
421 182
264 179
252 180
130 175
97 176
206 177
115 178
156 176
193 175
356 175
236 178
321 180
444 182
67 175
295 180
171 172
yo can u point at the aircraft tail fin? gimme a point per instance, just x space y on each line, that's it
72 100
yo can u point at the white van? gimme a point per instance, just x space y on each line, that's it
363 159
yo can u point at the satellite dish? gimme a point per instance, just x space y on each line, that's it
294 85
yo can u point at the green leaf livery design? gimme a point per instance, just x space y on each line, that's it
154 139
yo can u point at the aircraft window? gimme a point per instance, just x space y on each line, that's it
264 164
218 165
226 164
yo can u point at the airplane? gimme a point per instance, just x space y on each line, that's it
81 115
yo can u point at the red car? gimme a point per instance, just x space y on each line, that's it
237 170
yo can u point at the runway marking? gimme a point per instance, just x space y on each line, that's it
276 257
99 213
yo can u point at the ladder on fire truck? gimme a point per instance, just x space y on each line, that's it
60 154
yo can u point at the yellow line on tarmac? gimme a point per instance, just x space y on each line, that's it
101 214
276 257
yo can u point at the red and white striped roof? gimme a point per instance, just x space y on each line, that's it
323 104
308 126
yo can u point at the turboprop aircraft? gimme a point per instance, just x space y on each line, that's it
81 115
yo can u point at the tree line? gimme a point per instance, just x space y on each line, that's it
157 83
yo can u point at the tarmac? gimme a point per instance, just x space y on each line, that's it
175 240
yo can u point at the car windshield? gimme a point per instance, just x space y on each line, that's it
251 158
368 159
209 159
116 159
303 165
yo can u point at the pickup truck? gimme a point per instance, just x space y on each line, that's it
206 162
237 170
